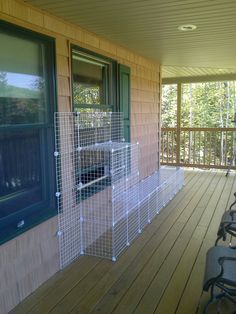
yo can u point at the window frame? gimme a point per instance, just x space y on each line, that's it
46 208
112 79
111 95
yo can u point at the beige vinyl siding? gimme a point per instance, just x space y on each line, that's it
30 259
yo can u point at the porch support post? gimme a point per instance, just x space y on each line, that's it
179 101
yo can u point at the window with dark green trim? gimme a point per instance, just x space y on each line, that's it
94 81
27 101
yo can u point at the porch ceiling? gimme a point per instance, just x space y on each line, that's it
150 28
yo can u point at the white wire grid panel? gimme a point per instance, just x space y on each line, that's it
125 197
91 156
105 211
68 210
156 191
102 205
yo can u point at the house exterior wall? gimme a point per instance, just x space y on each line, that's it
31 258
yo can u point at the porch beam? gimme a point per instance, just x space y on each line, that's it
199 79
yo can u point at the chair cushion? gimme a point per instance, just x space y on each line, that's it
213 268
229 275
229 215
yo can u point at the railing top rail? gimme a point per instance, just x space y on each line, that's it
168 129
200 129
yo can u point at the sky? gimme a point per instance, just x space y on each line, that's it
22 80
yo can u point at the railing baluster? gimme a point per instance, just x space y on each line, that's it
184 148
194 148
215 148
226 147
162 146
172 146
199 152
232 147
167 146
204 150
221 148
198 147
210 148
189 147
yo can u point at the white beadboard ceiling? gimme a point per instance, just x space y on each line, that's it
150 28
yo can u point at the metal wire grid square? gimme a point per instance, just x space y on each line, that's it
157 190
102 205
68 209
99 127
91 159
125 196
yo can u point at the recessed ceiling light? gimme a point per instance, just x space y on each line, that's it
187 27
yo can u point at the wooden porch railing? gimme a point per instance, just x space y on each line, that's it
198 147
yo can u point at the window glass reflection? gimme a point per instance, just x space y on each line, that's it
22 83
89 81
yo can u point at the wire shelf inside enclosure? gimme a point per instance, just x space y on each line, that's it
102 204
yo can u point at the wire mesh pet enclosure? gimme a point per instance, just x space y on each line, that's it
102 204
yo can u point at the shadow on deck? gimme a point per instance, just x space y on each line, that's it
161 272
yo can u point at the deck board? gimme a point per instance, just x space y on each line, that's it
174 226
121 284
179 280
190 219
162 270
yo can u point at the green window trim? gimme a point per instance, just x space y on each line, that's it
117 90
124 98
110 82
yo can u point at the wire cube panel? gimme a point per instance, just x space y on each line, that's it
95 170
102 204
125 197
157 190
68 209
104 214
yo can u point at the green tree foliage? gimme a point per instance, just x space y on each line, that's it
86 94
169 106
19 105
209 105
204 105
3 80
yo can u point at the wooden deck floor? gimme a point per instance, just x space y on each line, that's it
162 270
